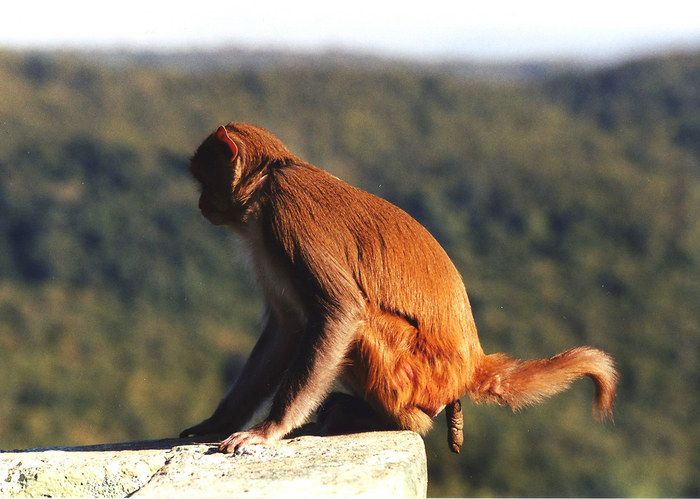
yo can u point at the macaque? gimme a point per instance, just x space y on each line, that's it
358 290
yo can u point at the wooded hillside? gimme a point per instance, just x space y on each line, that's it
569 201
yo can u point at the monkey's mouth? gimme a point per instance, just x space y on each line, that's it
211 212
215 218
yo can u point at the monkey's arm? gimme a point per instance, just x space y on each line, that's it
258 379
309 378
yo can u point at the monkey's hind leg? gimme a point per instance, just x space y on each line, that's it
342 414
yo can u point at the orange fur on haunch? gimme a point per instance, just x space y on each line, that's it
355 288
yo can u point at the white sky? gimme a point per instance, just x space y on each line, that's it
491 29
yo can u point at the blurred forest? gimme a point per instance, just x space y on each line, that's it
568 197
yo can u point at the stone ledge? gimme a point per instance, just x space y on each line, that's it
387 464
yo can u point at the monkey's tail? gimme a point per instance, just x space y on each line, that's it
518 383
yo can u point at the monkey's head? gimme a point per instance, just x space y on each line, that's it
231 167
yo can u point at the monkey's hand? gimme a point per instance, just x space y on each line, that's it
262 433
221 422
206 427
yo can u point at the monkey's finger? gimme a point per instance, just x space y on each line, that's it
206 427
233 443
194 431
241 440
190 432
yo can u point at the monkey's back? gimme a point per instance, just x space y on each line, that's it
418 331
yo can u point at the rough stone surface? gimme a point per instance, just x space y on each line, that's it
389 464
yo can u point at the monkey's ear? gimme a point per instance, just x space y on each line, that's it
222 136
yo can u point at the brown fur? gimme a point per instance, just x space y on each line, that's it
355 288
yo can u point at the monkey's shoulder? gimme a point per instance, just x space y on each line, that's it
309 204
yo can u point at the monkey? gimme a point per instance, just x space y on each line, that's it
354 289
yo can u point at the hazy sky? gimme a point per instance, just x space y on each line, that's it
484 29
